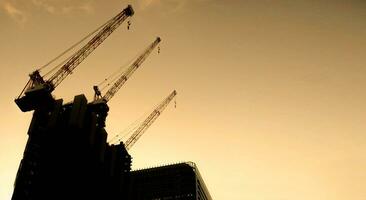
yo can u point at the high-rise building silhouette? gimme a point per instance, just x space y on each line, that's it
67 155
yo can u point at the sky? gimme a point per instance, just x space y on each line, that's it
271 93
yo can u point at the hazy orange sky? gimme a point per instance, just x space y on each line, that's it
271 93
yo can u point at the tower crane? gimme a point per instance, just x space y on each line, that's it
38 90
148 121
124 76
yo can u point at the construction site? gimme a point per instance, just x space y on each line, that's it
182 99
68 155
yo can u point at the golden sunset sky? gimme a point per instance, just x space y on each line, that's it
271 93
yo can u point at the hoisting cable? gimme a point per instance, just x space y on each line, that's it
72 47
117 74
57 66
25 87
111 78
131 128
118 138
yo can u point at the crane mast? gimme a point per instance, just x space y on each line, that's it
125 75
37 89
149 120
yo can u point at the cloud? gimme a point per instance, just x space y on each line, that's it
64 6
166 5
44 5
146 3
85 8
13 12
169 5
22 10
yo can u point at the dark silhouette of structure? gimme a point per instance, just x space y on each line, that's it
177 181
67 155
37 91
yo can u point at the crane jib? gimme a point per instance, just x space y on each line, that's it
128 73
147 122
79 56
38 91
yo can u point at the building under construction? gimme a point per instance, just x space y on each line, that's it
178 181
67 155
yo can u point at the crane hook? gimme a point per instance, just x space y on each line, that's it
158 49
128 25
